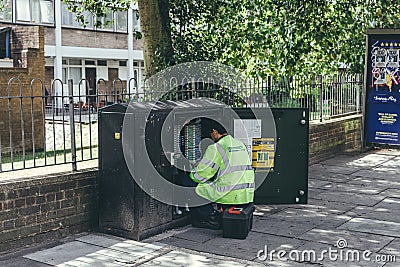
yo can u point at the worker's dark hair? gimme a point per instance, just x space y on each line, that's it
217 126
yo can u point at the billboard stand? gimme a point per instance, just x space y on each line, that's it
382 88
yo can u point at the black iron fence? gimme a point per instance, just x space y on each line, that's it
42 126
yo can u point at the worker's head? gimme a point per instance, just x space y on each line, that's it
217 131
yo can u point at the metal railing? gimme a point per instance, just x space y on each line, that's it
40 127
326 96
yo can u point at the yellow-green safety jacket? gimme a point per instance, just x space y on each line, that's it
234 183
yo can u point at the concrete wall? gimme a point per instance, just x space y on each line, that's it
38 209
334 136
27 47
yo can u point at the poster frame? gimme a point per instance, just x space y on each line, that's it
380 35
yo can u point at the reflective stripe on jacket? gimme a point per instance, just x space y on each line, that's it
229 160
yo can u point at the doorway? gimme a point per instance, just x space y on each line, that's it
91 92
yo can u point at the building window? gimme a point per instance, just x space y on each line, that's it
40 11
74 61
46 11
122 64
106 22
68 18
90 62
136 21
23 10
6 12
122 22
75 73
64 75
101 62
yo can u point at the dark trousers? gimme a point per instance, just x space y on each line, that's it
203 211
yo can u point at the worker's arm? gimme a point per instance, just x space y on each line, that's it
208 166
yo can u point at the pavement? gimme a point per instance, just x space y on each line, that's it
352 219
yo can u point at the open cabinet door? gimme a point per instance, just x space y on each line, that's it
279 154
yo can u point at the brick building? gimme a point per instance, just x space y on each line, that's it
19 114
72 51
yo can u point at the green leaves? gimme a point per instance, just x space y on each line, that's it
265 37
260 37
100 10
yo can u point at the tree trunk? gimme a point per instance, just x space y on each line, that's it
156 34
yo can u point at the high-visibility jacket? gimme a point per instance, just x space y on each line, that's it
229 160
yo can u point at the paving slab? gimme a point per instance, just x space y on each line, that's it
377 173
333 221
311 218
375 213
282 227
359 162
392 264
293 214
21 262
389 152
178 258
198 235
382 182
329 177
266 210
389 203
312 192
249 247
63 253
354 188
351 198
355 240
318 254
328 207
393 248
391 166
104 257
97 250
391 192
317 184
371 226
288 263
192 245
321 167
118 243
241 249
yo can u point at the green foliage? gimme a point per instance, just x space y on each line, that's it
269 37
3 3
100 9
264 37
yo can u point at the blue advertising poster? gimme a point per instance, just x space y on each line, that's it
382 122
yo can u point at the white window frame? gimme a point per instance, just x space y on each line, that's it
29 15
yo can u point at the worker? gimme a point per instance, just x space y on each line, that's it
223 176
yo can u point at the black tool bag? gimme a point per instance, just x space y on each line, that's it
237 221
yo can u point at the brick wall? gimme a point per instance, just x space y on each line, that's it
37 209
27 45
84 38
334 136
88 38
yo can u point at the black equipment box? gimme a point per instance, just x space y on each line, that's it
125 209
237 222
